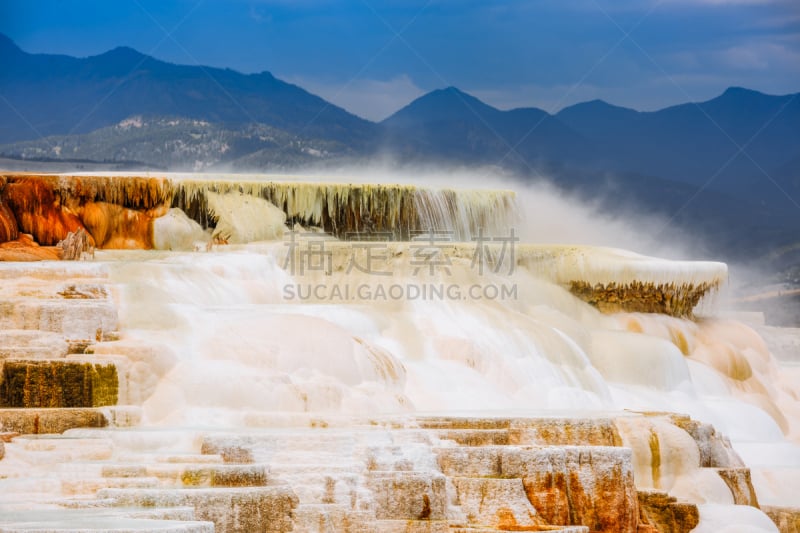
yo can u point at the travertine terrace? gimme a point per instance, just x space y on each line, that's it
175 378
126 212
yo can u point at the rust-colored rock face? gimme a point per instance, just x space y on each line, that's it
114 212
586 479
38 211
25 249
8 224
117 227
593 488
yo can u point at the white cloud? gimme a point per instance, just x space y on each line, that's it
370 99
759 56
744 57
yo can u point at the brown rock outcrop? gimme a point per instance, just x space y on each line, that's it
75 246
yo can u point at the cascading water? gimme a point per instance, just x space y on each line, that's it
450 318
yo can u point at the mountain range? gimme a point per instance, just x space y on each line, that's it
736 157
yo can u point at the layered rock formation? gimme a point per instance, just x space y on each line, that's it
38 212
221 407
396 474
389 475
118 211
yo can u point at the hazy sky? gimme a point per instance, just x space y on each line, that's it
374 56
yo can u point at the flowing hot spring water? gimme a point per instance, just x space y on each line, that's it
299 354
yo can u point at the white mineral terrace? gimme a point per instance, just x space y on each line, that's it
307 383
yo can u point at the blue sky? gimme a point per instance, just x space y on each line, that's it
374 56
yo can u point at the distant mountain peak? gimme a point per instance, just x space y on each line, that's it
447 92
597 105
594 117
51 90
451 89
736 91
441 104
451 94
8 45
122 53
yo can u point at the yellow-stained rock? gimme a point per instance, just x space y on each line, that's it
637 297
663 513
738 480
224 476
786 518
58 383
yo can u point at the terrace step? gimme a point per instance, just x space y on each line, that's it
87 320
56 420
476 437
30 383
32 344
332 518
233 510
